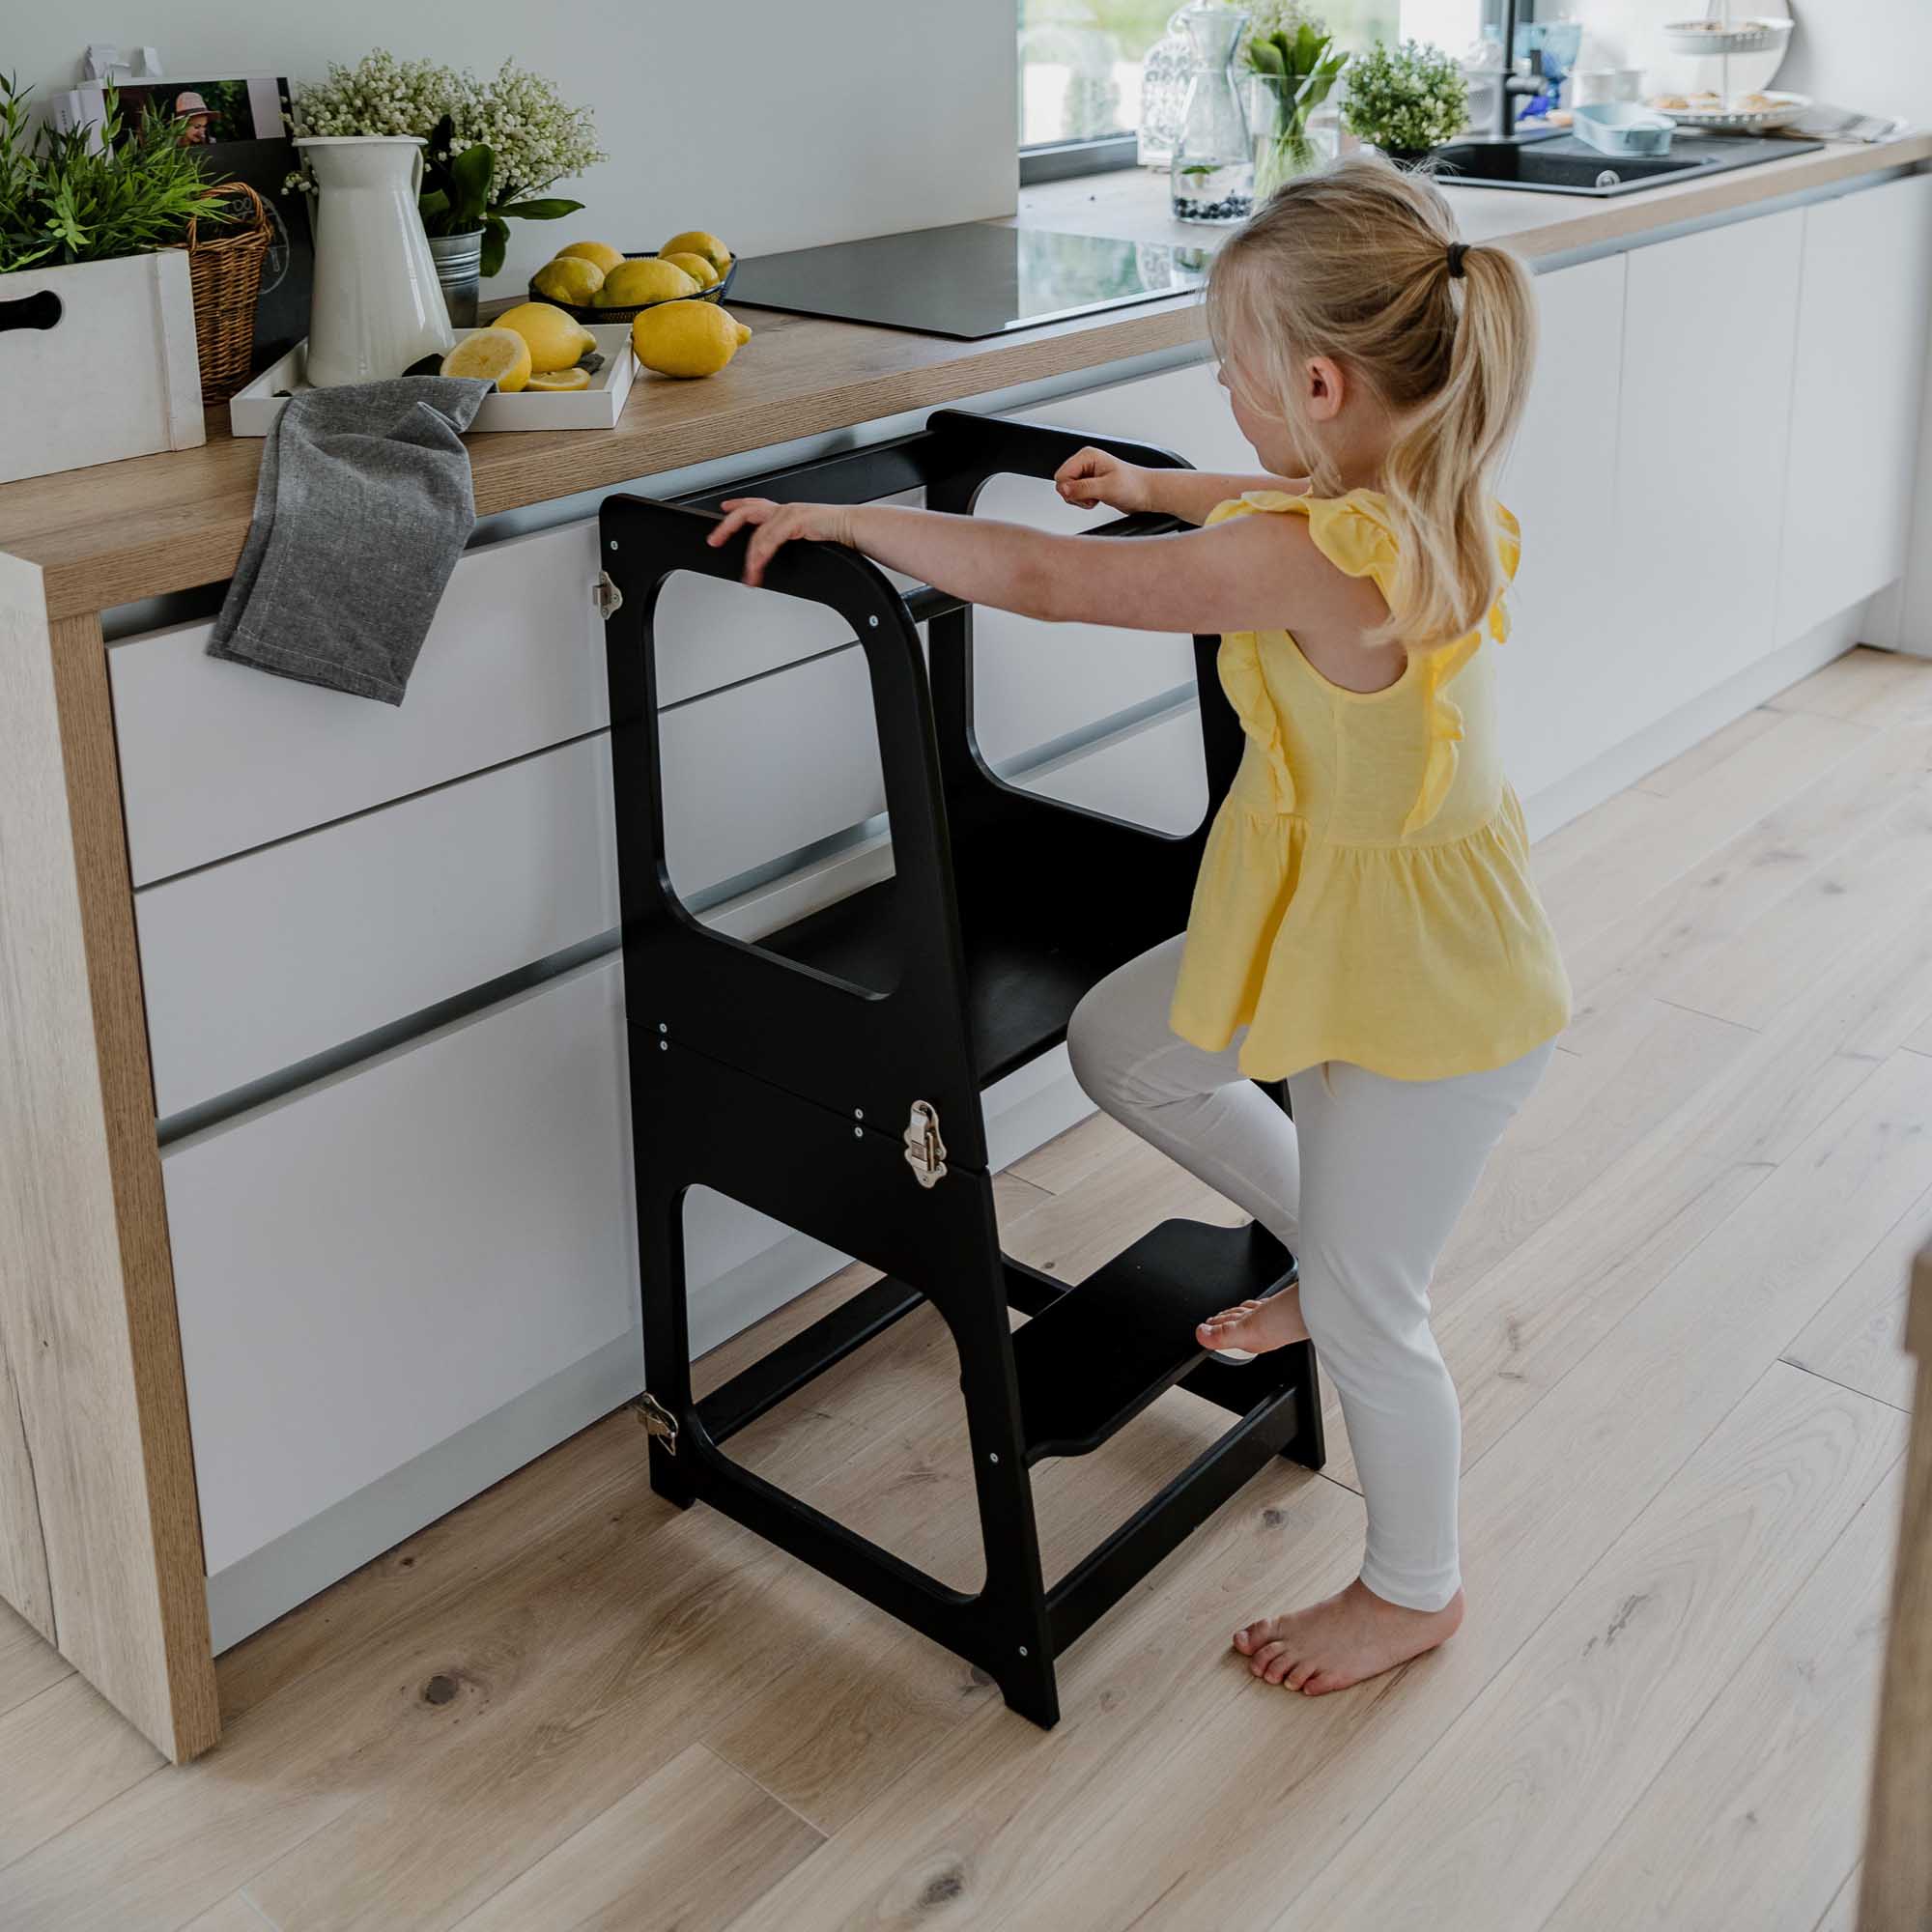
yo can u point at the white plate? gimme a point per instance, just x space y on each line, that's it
254 409
1784 107
1742 36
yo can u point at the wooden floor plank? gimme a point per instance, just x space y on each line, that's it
1858 1337
63 1755
235 1913
1534 1777
28 1662
1608 883
1857 906
1689 767
1864 685
1709 906
1761 1809
687 1851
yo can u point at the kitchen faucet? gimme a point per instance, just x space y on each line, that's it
1510 83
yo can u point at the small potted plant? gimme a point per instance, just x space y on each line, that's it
1406 99
98 356
1293 66
494 150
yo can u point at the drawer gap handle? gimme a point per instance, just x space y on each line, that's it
41 310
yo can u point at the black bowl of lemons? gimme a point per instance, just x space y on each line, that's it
593 282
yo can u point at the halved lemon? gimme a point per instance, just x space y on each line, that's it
496 356
561 378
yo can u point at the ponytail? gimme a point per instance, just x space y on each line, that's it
1362 261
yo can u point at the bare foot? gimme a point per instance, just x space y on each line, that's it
1333 1644
1256 1326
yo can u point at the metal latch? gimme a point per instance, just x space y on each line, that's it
609 599
925 1150
660 1424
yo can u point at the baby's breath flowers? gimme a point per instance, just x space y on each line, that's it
533 140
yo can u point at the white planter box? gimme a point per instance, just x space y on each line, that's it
114 375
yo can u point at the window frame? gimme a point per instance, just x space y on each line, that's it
1062 161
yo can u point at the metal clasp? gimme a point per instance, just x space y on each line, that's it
925 1150
606 595
660 1424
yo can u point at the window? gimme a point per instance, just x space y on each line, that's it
1080 72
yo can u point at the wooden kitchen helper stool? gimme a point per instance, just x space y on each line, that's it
830 1076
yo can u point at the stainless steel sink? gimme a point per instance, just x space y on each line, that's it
1562 164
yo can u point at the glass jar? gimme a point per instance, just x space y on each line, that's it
1291 136
1213 175
1164 95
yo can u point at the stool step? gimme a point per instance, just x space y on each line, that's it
1090 1363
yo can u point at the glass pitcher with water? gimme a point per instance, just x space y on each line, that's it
1214 168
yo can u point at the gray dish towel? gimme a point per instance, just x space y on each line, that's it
362 507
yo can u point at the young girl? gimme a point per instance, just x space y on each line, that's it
1364 924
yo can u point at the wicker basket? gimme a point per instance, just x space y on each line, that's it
226 277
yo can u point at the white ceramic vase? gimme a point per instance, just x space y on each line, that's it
378 307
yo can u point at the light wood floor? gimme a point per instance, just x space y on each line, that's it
1673 1312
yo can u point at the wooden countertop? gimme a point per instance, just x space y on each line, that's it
117 533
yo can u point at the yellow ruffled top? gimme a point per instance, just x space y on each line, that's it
1365 894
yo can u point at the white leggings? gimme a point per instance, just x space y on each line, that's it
1365 1185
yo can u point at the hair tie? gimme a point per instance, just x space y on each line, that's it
1457 250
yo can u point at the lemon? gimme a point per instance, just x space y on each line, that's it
491 355
555 340
696 267
696 242
646 281
572 378
687 338
570 279
600 253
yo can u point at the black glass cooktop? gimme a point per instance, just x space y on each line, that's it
968 281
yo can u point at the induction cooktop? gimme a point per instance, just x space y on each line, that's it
968 281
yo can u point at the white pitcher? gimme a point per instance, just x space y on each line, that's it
378 307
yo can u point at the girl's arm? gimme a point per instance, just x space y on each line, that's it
1093 476
1251 573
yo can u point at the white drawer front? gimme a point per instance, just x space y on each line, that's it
1035 683
368 1267
218 757
255 965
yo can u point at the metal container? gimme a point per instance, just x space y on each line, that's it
459 268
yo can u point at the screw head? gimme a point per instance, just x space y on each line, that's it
873 622
992 1455
1023 1650
858 1113
614 543
858 1133
661 1026
663 1046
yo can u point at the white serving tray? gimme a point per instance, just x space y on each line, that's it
253 410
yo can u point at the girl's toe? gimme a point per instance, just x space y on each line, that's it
1298 1678
1281 1664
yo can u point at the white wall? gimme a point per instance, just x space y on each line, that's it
775 123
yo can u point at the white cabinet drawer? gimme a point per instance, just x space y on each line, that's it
217 758
1035 683
256 964
368 1267
1863 313
1710 321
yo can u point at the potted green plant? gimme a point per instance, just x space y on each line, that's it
1404 100
1294 64
97 316
494 149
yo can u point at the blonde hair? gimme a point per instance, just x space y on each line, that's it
1361 263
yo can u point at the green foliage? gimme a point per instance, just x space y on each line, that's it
65 198
458 195
1406 98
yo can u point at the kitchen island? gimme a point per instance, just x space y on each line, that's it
313 1189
